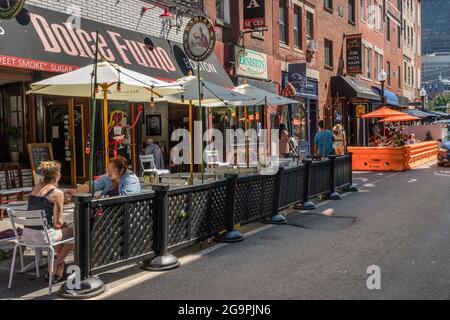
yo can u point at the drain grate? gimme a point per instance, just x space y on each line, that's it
320 222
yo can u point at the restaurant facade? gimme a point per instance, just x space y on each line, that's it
41 43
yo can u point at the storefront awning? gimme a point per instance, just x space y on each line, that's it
43 41
419 113
403 101
349 87
391 98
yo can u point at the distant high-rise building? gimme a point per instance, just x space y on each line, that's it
435 26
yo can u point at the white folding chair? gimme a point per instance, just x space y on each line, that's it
35 219
148 165
213 160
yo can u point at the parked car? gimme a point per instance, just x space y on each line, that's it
444 154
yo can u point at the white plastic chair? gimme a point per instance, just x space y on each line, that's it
148 165
213 160
29 219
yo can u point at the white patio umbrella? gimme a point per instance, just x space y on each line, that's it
262 97
207 96
78 83
115 82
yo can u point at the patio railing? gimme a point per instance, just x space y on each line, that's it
149 227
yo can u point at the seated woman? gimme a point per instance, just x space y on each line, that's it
117 181
46 196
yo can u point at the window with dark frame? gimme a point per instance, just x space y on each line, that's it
399 36
328 4
362 8
399 78
388 29
351 11
223 10
388 72
297 27
309 25
328 53
282 20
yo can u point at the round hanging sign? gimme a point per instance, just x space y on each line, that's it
10 8
199 38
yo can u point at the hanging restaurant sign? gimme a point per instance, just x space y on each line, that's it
250 63
354 53
254 14
10 8
199 38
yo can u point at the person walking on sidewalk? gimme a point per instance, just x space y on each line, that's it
324 141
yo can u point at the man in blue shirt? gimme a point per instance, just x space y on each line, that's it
323 141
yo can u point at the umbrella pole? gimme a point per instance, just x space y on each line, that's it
267 133
94 110
105 123
201 118
191 153
247 160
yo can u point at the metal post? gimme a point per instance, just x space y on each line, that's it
333 195
307 204
352 187
276 217
164 260
89 286
230 234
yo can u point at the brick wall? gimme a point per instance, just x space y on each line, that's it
332 26
378 42
119 13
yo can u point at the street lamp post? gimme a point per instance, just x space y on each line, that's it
423 94
382 77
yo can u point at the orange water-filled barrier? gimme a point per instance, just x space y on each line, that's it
393 158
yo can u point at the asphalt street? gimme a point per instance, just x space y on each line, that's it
399 222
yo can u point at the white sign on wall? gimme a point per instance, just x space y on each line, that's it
251 64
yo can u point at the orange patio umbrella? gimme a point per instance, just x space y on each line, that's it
383 113
400 118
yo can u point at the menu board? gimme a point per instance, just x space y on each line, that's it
39 152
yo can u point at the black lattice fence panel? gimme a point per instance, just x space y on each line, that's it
242 199
254 198
268 195
342 171
178 218
292 186
319 181
141 222
196 213
108 235
121 231
218 208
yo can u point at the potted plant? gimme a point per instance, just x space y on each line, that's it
14 134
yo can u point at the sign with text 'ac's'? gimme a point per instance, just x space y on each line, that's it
254 14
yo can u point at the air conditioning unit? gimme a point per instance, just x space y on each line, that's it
312 45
